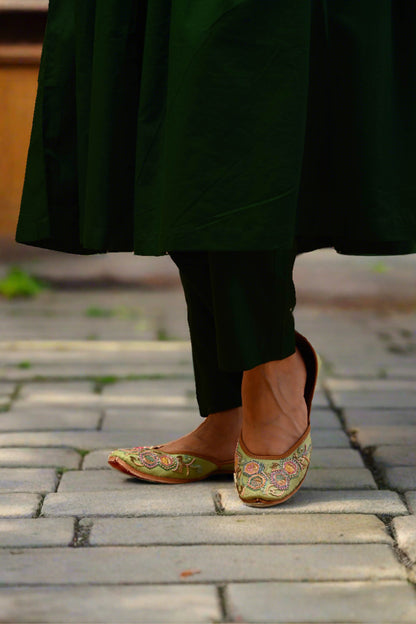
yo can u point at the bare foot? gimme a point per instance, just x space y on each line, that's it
216 436
275 414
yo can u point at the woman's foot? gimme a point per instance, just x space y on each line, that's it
275 414
216 436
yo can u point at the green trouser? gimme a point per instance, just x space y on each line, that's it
240 314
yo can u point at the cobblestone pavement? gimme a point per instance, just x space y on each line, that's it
83 373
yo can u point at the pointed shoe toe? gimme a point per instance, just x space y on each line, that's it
150 463
266 480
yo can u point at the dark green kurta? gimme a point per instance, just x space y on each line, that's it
224 125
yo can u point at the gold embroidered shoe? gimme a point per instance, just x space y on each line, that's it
151 463
266 480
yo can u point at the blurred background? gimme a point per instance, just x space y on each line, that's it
49 279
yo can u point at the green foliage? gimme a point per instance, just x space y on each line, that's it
24 364
162 334
97 312
379 267
18 283
106 379
82 452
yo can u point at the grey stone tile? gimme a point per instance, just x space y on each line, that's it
262 529
142 604
320 399
95 369
339 479
151 388
382 502
89 440
157 417
213 563
19 505
97 460
384 602
411 501
404 529
330 438
39 480
324 419
150 500
401 478
46 391
375 399
374 436
321 478
101 480
39 458
6 388
356 418
43 420
395 455
336 458
35 532
373 386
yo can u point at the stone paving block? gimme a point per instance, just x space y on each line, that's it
404 529
35 532
339 479
142 604
151 388
261 529
159 500
374 436
357 418
213 563
336 458
376 399
19 505
411 501
372 386
320 399
41 480
100 480
7 388
96 369
97 460
395 455
401 478
324 419
382 502
330 438
89 440
39 458
384 602
46 391
43 420
157 417
335 478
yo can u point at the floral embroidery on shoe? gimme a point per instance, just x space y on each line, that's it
271 479
149 458
252 468
151 461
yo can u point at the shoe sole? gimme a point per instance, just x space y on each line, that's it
122 466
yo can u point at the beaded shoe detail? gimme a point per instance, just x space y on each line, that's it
266 480
151 464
